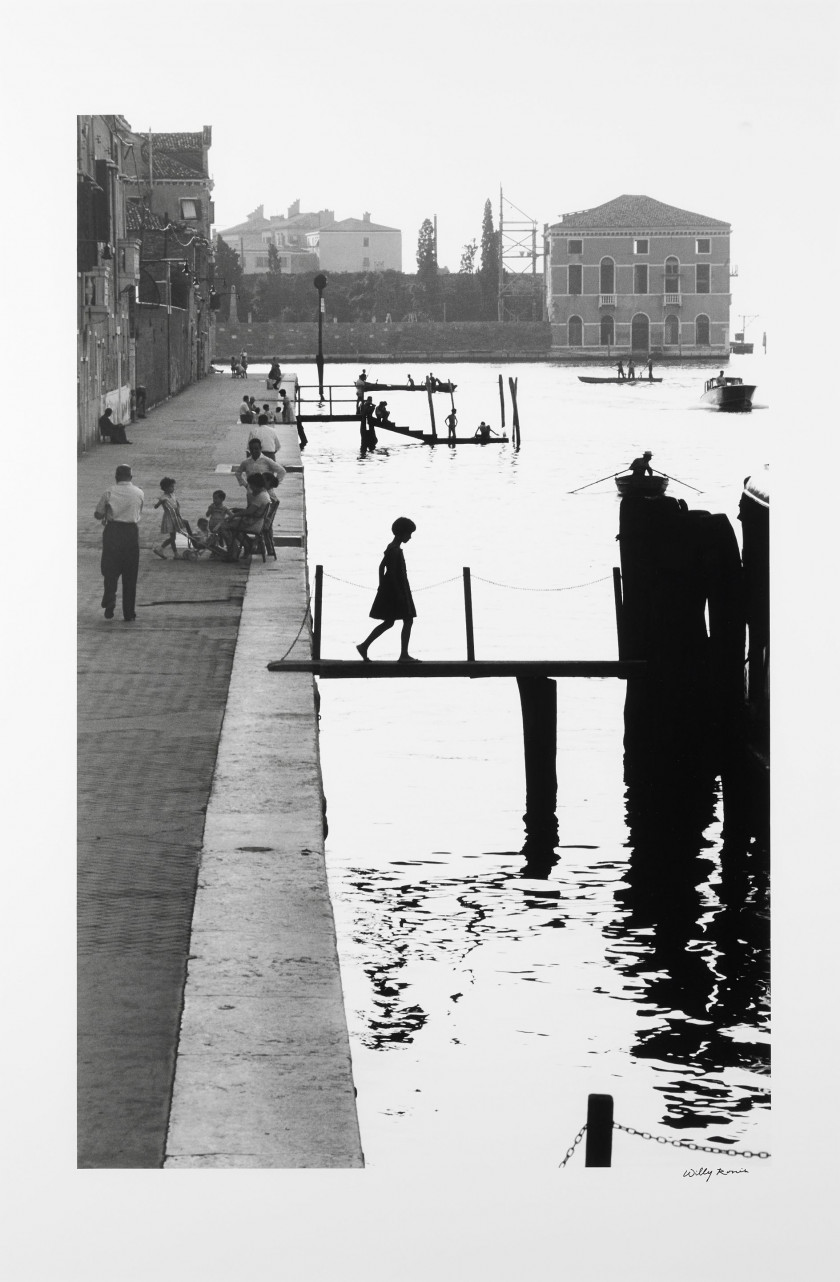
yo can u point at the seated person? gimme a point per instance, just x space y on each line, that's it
640 467
115 432
274 374
217 511
483 431
382 413
247 520
203 536
245 412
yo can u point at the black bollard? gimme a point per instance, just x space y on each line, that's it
599 1129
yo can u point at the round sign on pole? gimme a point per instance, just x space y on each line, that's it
320 281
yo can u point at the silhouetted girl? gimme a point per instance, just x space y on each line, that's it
393 600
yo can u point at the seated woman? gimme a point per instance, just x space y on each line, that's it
274 374
245 520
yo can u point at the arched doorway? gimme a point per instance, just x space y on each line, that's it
607 276
701 331
640 333
672 330
575 331
607 331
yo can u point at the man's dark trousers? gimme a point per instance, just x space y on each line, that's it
120 557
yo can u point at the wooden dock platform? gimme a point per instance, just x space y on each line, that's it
355 669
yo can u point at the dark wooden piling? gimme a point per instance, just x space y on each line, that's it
432 413
599 1130
502 397
316 620
618 620
468 615
538 697
515 435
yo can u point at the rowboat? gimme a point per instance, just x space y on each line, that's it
586 379
730 394
644 487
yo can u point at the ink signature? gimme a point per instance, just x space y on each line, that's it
704 1172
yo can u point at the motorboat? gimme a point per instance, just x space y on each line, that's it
728 393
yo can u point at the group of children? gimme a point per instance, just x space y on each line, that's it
250 412
213 528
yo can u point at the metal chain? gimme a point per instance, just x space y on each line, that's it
515 587
697 1148
570 1150
300 629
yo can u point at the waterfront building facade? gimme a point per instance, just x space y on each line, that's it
636 276
287 232
357 245
107 275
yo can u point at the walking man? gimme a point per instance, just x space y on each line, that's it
119 510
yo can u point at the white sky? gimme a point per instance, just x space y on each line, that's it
411 112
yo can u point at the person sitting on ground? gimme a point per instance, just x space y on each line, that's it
254 407
285 408
202 537
266 409
483 431
409 381
266 435
274 374
245 412
246 520
640 467
115 432
217 511
257 462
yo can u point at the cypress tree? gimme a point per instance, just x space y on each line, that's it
489 270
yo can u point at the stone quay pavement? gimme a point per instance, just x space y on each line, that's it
211 1025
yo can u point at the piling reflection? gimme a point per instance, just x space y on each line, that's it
693 933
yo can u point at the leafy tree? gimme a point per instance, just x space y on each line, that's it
489 270
427 268
270 287
468 254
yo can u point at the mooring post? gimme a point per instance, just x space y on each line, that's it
515 429
538 697
502 397
599 1129
316 620
617 596
468 614
432 413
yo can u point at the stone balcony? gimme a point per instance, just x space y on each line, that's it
606 300
672 300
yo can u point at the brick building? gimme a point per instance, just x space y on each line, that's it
636 275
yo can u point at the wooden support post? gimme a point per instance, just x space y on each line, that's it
432 413
468 614
538 697
502 397
618 607
599 1129
515 429
316 621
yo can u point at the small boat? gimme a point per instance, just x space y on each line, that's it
645 487
406 387
728 394
641 379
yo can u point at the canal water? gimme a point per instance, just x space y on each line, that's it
485 1004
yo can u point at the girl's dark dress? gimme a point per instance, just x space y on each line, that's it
393 600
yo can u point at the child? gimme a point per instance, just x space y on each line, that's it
393 600
217 511
203 537
172 522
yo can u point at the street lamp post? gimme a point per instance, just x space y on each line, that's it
320 283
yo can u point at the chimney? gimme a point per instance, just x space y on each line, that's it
366 216
256 214
294 210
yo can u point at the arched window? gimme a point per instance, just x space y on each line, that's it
607 276
672 275
672 330
575 331
640 333
607 331
701 331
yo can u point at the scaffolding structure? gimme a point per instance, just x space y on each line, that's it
521 284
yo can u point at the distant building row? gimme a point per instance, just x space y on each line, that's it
313 240
637 275
144 269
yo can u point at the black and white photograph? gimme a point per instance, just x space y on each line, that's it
416 867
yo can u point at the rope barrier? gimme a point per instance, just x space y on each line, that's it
300 629
511 587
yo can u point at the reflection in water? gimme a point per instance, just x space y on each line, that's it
693 937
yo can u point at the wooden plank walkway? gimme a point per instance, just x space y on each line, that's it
341 669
